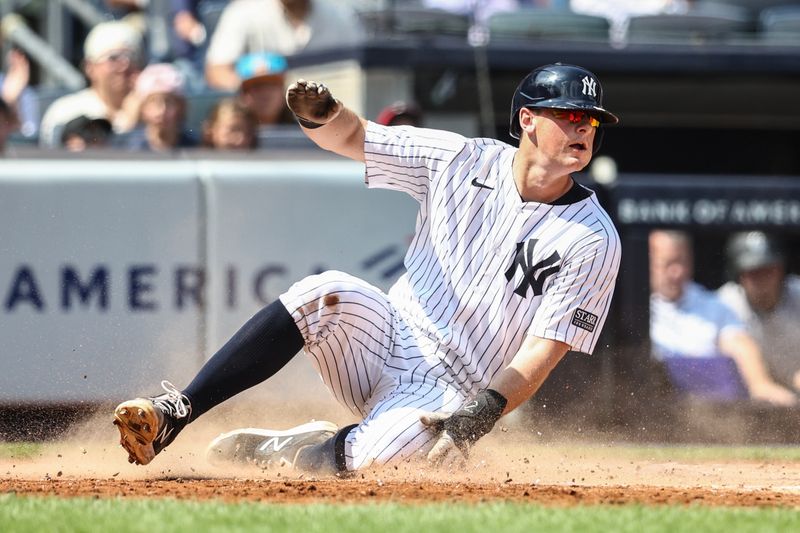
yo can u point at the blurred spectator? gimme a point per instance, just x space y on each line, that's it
160 91
16 93
112 60
767 300
400 114
120 8
263 78
133 12
230 125
8 124
279 26
188 34
84 133
481 10
619 12
694 334
136 14
155 21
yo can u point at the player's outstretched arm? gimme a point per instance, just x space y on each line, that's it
458 431
325 120
528 369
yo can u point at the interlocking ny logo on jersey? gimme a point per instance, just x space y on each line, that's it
589 86
523 257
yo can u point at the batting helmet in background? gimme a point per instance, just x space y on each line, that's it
750 250
560 86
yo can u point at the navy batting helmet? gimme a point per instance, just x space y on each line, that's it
559 86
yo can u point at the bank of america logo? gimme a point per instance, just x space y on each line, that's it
533 276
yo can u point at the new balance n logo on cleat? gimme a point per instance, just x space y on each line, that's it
164 434
266 448
275 443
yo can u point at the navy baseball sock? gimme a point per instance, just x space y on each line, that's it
326 457
257 351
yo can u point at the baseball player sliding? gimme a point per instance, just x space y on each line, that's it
513 264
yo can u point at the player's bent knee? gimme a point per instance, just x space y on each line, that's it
331 288
317 302
410 446
331 284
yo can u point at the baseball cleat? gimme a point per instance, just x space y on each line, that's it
148 425
267 448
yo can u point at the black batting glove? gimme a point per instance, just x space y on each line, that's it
312 103
460 430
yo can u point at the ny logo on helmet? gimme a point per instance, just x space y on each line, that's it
589 86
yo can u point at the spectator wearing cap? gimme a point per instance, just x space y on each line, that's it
112 60
230 125
84 133
283 27
766 299
400 114
160 92
262 89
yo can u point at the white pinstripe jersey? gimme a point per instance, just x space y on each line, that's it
485 268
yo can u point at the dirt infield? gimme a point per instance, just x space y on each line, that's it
506 466
359 491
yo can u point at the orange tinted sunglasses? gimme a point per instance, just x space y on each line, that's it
574 116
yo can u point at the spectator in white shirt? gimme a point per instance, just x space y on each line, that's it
284 27
688 321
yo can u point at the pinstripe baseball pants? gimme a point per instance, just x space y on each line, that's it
372 364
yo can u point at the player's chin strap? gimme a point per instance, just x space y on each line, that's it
326 457
598 139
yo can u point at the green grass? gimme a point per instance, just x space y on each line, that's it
688 452
19 450
18 514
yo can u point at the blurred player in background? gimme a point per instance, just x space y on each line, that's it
512 265
767 300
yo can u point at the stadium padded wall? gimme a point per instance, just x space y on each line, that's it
115 275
